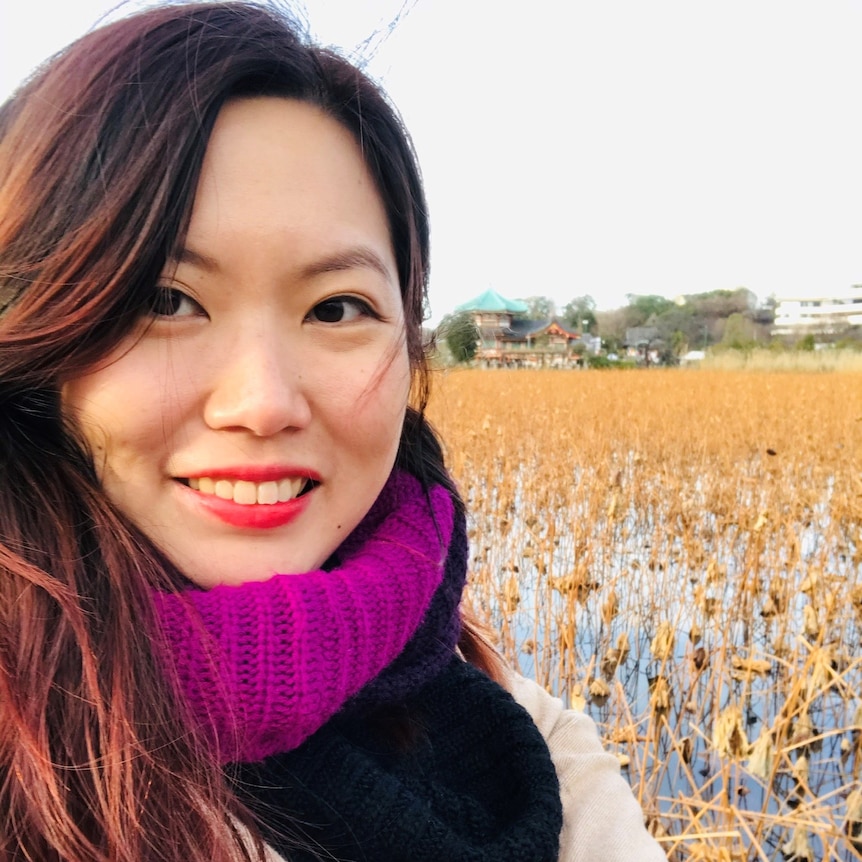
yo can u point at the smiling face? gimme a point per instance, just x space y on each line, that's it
252 419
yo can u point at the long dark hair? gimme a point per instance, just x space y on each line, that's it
100 154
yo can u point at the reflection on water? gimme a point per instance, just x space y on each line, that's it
676 624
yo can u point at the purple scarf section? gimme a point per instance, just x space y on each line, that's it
264 664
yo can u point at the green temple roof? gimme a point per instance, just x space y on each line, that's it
490 300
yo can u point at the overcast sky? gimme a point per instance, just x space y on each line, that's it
603 147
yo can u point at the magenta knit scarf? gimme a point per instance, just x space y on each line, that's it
264 664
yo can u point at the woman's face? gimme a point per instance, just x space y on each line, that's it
252 419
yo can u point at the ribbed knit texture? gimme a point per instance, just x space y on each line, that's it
432 646
477 786
264 664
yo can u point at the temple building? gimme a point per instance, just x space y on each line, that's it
508 338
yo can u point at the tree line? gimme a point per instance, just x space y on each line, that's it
696 321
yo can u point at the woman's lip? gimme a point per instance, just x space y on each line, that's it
254 473
256 516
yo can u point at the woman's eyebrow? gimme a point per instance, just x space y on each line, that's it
360 257
193 258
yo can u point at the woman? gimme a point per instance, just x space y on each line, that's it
213 253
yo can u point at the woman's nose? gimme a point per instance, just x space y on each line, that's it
258 387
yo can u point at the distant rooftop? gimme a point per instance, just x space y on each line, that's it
490 300
852 293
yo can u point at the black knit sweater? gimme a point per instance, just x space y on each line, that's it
472 781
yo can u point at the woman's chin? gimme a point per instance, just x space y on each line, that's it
229 570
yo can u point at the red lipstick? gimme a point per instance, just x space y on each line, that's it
259 516
245 515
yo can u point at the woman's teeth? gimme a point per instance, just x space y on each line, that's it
250 493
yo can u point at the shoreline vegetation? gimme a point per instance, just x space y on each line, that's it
761 359
680 554
764 359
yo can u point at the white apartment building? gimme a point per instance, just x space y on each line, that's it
800 315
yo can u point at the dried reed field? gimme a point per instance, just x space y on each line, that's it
680 552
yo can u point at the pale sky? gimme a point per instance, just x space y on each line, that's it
603 147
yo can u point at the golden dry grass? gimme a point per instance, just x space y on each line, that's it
680 551
790 360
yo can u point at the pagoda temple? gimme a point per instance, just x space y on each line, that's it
507 337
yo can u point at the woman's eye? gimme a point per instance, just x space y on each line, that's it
340 309
170 302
